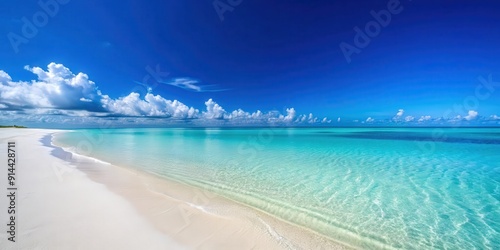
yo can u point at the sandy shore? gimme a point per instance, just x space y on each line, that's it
66 201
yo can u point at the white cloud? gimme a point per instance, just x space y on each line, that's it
192 85
311 118
472 114
75 98
151 105
214 110
56 88
4 77
85 100
185 83
256 115
290 114
239 114
399 116
424 118
301 118
306 119
409 118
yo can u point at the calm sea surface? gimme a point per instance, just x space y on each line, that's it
411 188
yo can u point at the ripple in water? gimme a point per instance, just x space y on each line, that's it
370 188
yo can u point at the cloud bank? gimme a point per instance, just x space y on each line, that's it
58 91
58 95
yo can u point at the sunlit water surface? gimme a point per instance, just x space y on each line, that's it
411 188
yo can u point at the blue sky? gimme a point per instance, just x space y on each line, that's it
438 62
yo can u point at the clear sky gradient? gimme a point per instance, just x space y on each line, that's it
437 61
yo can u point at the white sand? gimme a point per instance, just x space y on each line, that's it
71 212
84 204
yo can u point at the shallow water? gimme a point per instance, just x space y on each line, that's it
411 188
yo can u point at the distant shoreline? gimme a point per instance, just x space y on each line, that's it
259 127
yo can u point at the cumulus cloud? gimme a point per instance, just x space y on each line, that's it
59 93
4 77
424 118
409 118
60 89
306 119
256 115
301 118
399 116
242 115
290 114
471 115
56 88
151 105
311 118
214 110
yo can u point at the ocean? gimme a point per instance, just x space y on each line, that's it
370 188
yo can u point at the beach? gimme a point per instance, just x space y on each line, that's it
67 201
261 188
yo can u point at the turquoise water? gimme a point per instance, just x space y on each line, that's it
410 188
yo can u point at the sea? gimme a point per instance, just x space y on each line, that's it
369 188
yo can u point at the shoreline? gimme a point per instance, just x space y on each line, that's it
189 216
59 207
